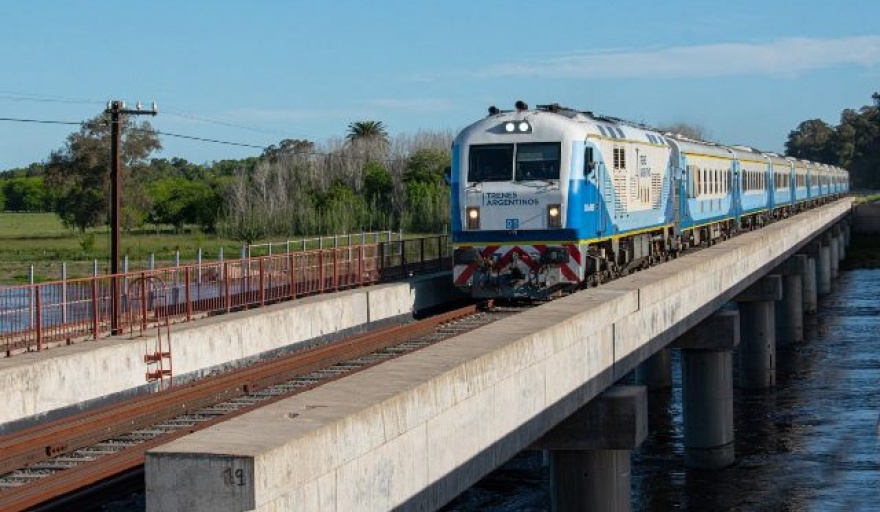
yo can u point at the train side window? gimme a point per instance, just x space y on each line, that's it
619 158
589 163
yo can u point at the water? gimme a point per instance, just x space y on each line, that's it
810 444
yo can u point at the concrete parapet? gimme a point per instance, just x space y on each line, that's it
44 385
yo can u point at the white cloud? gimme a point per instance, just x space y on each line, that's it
782 57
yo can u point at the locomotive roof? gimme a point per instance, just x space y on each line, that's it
564 120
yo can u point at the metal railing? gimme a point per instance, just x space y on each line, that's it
34 317
322 242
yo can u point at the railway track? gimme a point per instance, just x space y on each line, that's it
62 459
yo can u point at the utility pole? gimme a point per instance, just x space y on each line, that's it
116 109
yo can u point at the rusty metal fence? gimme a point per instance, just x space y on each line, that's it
36 316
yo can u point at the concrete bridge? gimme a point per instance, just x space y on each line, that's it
413 433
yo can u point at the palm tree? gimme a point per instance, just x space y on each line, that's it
367 130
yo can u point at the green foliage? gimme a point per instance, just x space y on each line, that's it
340 210
812 140
25 194
427 166
88 243
178 201
853 144
289 147
378 185
79 173
428 210
367 130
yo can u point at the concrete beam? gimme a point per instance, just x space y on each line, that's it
617 419
768 288
718 332
794 266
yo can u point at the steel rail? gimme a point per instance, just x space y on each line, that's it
62 436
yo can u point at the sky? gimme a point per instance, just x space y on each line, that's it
256 72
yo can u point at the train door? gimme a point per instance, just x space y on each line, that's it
600 205
736 191
676 195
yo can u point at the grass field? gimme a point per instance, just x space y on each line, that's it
41 240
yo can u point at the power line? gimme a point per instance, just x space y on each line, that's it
39 121
23 96
202 139
191 137
222 122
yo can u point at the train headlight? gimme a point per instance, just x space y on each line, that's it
517 127
473 217
554 216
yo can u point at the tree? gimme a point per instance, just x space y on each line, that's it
178 201
79 172
289 147
367 130
427 166
378 185
854 144
26 194
813 140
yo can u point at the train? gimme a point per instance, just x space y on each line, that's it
548 200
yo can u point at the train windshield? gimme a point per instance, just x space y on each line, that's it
490 162
537 161
495 162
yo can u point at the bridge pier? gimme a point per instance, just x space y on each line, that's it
757 352
790 311
823 266
834 247
590 451
841 240
811 299
656 371
707 390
